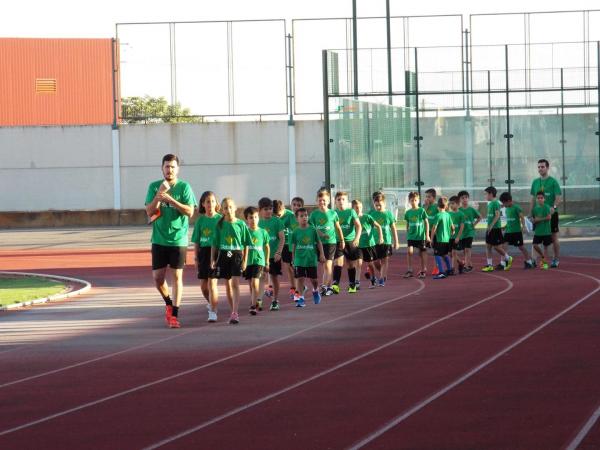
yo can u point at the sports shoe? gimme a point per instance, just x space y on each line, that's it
509 263
323 289
328 292
268 292
368 274
527 265
253 310
335 288
439 276
554 263
297 296
421 275
212 316
274 306
300 303
544 265
408 274
259 304
293 294
352 289
174 323
381 282
357 285
468 269
487 268
316 297
461 267
373 284
234 319
449 273
168 313
500 267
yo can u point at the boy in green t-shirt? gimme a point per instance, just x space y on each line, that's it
515 223
351 229
258 257
458 220
288 218
541 216
417 234
440 234
274 227
306 248
386 220
367 242
493 234
327 224
472 218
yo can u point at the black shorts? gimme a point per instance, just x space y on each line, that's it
383 250
466 243
546 240
329 250
286 255
494 237
163 256
514 239
419 245
203 263
305 272
253 271
455 245
274 267
352 252
554 222
441 248
368 254
229 264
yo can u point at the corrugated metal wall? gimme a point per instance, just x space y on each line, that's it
81 68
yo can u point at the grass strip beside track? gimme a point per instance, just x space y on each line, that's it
22 289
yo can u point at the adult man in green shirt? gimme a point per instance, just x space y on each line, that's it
169 204
552 197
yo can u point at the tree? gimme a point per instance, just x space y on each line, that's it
155 110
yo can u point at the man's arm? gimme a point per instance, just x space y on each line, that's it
186 210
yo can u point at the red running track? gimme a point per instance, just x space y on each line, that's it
506 360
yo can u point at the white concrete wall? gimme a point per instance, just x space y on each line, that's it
70 168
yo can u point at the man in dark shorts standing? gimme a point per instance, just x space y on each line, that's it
552 197
169 204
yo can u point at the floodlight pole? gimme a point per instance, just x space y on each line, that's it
598 101
355 48
418 136
389 49
563 141
508 136
326 119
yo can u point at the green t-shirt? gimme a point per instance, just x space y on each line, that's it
347 218
325 223
432 213
541 228
171 228
471 215
232 235
286 218
256 251
204 230
549 187
493 206
458 218
305 240
385 219
368 232
273 226
513 218
415 218
290 223
444 227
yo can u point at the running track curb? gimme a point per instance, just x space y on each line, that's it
86 287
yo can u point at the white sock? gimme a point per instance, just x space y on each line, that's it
507 257
489 261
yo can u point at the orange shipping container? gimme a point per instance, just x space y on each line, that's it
57 81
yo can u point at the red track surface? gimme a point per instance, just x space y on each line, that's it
475 361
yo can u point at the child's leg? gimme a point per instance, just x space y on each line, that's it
213 290
468 261
314 282
327 272
204 289
546 252
228 286
423 257
352 272
438 262
448 262
409 255
300 286
338 266
384 267
488 254
254 290
454 258
373 270
538 250
525 253
275 283
235 294
500 250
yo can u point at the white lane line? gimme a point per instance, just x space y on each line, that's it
204 366
397 420
327 371
584 431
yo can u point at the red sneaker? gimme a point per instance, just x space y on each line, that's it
174 323
168 313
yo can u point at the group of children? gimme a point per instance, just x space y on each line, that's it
272 240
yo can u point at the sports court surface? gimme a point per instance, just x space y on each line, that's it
478 361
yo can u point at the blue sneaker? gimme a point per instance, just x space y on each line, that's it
381 282
300 303
316 297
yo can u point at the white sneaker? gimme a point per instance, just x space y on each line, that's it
212 316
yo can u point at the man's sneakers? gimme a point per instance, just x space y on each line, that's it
274 306
509 263
316 297
488 268
554 263
253 310
174 323
352 289
168 313
234 318
300 303
440 276
335 288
